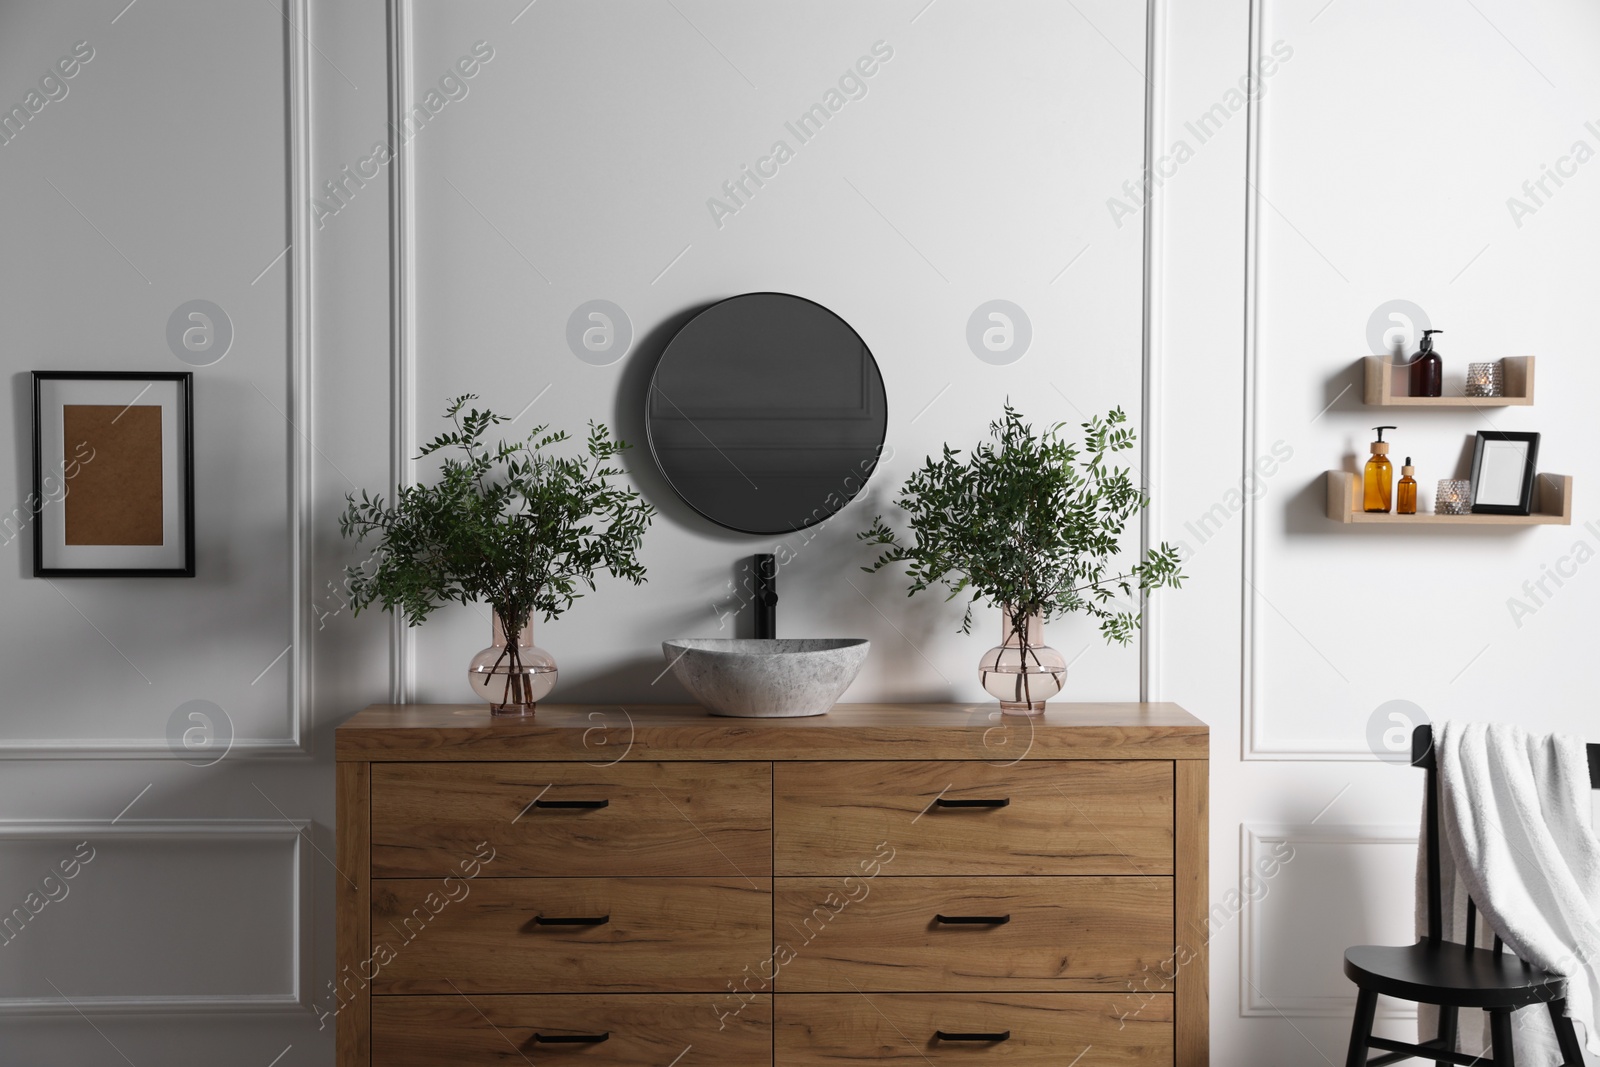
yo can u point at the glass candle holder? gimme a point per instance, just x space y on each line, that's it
1484 379
1455 497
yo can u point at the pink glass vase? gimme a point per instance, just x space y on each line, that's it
1022 672
512 674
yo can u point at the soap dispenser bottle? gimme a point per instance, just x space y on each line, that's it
1427 370
1405 501
1378 481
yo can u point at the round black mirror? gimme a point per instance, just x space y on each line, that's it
766 413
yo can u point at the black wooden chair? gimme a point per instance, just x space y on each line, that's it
1451 975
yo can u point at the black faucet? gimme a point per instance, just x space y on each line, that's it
765 566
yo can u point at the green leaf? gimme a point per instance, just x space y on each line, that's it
510 525
1030 521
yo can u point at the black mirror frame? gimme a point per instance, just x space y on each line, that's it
819 514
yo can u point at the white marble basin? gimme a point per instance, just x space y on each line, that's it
766 678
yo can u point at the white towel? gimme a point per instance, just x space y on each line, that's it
1516 834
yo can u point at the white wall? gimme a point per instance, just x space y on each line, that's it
174 168
978 166
578 165
972 170
1387 146
99 266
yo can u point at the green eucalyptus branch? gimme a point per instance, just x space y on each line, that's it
1030 522
511 525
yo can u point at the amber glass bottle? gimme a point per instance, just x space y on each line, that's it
1378 480
1405 500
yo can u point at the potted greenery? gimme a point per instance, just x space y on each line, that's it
1032 524
507 525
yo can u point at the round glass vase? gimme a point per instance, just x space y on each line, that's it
1022 672
512 675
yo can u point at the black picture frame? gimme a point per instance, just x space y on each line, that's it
1530 466
185 380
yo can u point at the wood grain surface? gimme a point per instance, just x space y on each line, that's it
659 819
662 935
769 887
1046 1030
1193 901
352 958
644 1030
1060 933
605 733
1060 817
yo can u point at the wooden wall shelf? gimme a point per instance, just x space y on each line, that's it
1552 506
1516 373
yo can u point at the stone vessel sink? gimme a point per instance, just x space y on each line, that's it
766 678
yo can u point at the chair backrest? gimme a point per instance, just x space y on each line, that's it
1422 756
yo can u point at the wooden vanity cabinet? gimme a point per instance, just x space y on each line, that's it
926 884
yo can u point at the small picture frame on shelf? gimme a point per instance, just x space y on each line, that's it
1503 472
113 474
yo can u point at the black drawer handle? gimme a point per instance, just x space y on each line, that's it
972 920
581 920
587 805
571 1039
1002 802
998 1035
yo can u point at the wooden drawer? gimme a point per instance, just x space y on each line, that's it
1046 1030
1063 817
1058 934
659 935
658 819
643 1031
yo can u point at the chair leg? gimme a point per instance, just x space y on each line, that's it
1566 1036
1448 1015
1500 1035
1361 1028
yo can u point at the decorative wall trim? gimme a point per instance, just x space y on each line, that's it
301 317
300 448
1253 740
403 316
1151 354
71 748
1250 733
402 393
1255 1001
295 999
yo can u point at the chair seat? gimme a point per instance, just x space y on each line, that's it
1448 973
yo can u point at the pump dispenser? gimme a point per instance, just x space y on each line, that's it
1427 370
1405 501
1378 481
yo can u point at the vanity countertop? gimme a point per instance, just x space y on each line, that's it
600 733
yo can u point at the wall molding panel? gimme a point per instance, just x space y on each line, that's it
403 318
188 831
301 317
1151 355
301 447
1256 999
1256 744
1250 733
407 359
